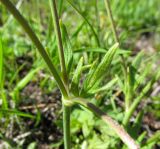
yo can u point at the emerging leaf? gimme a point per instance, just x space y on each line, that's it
103 67
67 47
76 78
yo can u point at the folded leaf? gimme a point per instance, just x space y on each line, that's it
68 54
76 78
103 67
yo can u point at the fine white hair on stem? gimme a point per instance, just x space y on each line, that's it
121 132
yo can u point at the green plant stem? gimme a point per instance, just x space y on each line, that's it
109 121
66 126
37 43
59 40
66 109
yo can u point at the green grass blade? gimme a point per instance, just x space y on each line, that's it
99 50
90 49
120 83
16 112
135 130
154 138
22 83
137 60
108 86
79 28
86 20
136 102
2 91
129 86
37 43
1 64
140 79
141 137
143 93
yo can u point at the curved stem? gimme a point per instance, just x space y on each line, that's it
37 43
109 121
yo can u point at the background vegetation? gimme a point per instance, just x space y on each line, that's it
30 112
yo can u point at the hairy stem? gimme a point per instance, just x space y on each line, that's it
109 121
37 43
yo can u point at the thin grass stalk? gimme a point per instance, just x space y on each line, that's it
18 5
66 109
97 17
109 11
2 91
86 20
115 34
37 43
135 103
